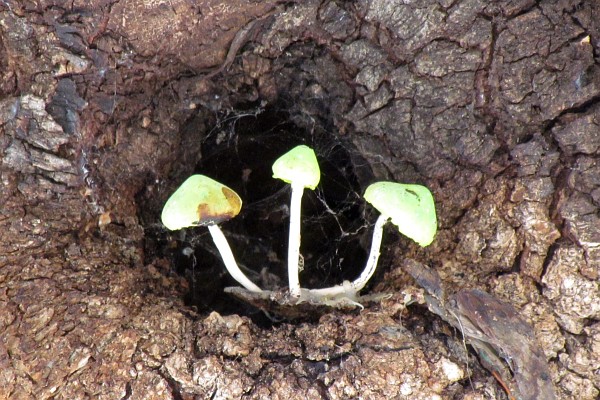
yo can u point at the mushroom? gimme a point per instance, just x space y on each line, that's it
411 209
202 201
299 168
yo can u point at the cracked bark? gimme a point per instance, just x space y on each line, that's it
104 104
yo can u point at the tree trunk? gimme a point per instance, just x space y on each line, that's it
107 106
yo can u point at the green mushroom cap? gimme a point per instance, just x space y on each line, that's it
298 165
200 201
410 208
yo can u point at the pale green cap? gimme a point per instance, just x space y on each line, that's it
298 165
199 201
410 207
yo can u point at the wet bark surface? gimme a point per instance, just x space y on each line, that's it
107 106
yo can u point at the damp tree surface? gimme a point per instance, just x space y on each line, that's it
106 107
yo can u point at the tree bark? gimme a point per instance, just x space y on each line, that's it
106 106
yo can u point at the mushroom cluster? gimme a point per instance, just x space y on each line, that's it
202 201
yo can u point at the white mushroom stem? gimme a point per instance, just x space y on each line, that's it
369 270
229 260
294 239
359 283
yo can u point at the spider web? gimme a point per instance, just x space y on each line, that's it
336 223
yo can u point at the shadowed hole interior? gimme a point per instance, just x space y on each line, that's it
239 152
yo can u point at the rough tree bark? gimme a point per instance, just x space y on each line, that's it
105 107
